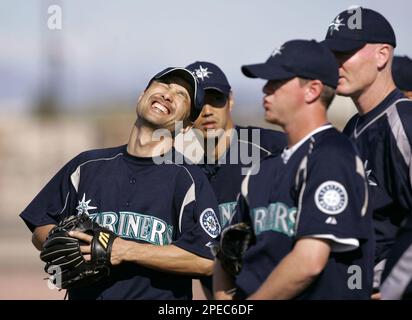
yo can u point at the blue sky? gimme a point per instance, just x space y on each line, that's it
107 50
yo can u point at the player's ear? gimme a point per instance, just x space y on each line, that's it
140 97
383 54
313 91
231 101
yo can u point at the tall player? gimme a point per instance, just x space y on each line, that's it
163 213
363 42
307 207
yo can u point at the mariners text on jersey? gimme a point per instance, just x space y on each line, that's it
140 201
319 190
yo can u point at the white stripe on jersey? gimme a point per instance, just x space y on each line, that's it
399 277
75 176
190 194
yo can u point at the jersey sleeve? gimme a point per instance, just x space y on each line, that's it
199 227
55 201
332 199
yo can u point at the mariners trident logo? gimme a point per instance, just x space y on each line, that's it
202 73
83 206
335 25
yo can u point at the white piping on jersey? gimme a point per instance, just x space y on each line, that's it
401 138
257 146
75 176
360 169
65 203
245 185
288 152
339 244
398 278
189 197
190 194
302 167
356 134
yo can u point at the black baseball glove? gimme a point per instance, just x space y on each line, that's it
234 242
64 261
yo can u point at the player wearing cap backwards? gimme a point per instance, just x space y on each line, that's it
230 149
162 212
402 74
363 42
307 207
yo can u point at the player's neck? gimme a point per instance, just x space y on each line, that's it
304 124
370 97
221 144
142 143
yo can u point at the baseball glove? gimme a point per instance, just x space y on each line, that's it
234 242
64 261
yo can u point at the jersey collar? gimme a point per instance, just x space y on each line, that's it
288 152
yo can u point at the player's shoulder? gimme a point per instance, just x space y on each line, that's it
404 108
101 154
264 132
185 168
333 144
350 125
271 141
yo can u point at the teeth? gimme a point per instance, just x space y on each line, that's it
160 107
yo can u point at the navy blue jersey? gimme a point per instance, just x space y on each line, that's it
383 138
319 190
226 175
397 275
141 201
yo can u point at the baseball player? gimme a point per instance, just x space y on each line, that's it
308 206
233 147
382 129
402 74
228 149
163 213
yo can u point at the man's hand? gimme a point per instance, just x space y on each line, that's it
119 247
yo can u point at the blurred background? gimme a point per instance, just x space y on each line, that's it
71 84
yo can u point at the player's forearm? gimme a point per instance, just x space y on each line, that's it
40 234
167 258
296 271
222 282
286 281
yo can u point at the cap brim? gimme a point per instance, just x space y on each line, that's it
180 72
222 89
267 71
343 45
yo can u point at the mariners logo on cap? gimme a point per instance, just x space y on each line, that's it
202 73
209 222
336 24
277 51
83 206
331 198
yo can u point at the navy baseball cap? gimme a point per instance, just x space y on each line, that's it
402 72
297 58
210 76
354 28
196 94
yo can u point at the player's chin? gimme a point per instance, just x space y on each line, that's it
344 89
271 118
